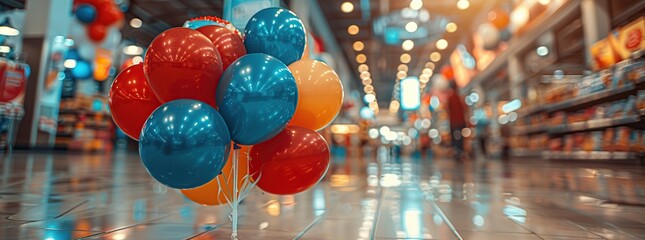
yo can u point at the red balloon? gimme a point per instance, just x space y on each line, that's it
183 63
291 162
131 100
228 44
96 32
107 13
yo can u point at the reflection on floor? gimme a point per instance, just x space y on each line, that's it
68 196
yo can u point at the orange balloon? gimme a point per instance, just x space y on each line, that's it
499 18
206 193
320 94
305 54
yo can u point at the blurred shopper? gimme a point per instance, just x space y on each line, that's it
456 112
482 135
505 131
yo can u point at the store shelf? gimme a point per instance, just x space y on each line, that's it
589 155
530 111
593 125
531 129
542 25
593 99
526 153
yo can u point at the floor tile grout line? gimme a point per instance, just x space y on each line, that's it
377 214
445 219
312 224
316 220
126 227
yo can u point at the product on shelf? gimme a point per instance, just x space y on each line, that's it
85 124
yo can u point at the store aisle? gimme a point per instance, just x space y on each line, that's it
68 196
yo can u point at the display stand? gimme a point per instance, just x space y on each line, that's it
241 188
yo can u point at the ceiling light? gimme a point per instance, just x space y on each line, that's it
361 58
407 45
542 51
7 29
5 49
463 4
368 89
435 56
363 68
136 23
365 75
132 50
69 63
394 106
416 4
424 79
411 26
544 2
137 60
451 27
405 58
402 67
430 65
352 29
370 97
427 71
367 81
442 44
347 7
358 46
401 75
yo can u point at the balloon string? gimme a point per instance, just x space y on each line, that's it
236 153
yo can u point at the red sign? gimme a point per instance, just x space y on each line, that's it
13 81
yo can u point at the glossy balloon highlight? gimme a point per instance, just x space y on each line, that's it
257 96
182 63
184 144
228 44
277 32
320 94
291 162
131 100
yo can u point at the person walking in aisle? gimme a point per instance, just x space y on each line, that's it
457 117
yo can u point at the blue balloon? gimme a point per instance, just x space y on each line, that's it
277 32
195 24
257 97
83 70
184 144
85 13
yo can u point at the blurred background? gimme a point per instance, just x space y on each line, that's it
457 95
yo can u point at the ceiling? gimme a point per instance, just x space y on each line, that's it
383 59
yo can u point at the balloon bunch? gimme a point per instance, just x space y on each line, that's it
201 91
195 23
98 16
495 30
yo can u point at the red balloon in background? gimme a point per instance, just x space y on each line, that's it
97 32
228 44
131 100
183 63
291 162
499 18
447 72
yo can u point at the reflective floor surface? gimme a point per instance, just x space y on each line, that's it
56 196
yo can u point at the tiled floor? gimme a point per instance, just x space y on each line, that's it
56 196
